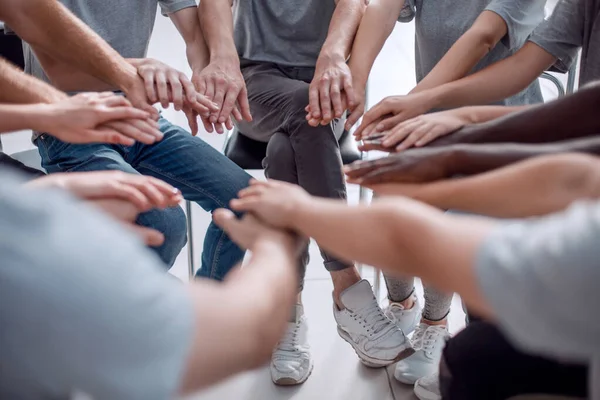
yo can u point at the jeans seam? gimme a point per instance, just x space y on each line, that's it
183 182
216 256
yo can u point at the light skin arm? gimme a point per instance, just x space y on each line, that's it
331 90
412 239
255 300
536 186
53 30
485 33
18 87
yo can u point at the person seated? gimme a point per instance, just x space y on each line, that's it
452 40
554 44
303 67
474 256
90 311
172 155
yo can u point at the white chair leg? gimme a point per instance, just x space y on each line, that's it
190 237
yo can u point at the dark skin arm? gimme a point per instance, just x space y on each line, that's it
432 164
567 118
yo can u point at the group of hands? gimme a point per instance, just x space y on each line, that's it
215 95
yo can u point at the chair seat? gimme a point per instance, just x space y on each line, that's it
248 153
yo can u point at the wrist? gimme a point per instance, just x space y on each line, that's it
40 116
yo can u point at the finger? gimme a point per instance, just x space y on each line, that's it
237 114
208 127
219 98
176 90
251 191
206 102
162 89
192 118
428 138
228 105
371 132
130 129
219 128
229 124
336 100
378 175
155 197
246 204
151 237
353 117
189 89
114 101
325 100
118 190
107 135
410 140
349 90
374 145
148 77
117 113
244 104
398 133
390 122
375 113
313 101
226 220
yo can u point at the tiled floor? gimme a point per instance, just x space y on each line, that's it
337 373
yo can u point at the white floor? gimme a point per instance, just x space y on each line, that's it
337 373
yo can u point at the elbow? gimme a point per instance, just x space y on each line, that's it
484 38
577 174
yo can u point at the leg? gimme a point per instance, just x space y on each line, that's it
479 363
203 175
404 308
58 156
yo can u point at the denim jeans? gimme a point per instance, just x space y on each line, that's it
201 173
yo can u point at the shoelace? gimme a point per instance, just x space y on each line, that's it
289 342
390 312
373 318
425 339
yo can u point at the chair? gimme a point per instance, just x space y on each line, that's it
570 79
30 158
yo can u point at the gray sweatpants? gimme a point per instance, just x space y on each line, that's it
296 152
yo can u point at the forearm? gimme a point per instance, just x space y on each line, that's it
18 87
18 117
533 187
255 300
468 50
342 28
412 240
496 82
51 27
376 26
480 114
187 22
569 117
216 20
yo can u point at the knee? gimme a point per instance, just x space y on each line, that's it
279 162
171 222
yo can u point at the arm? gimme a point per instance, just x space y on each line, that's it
53 29
412 239
18 87
433 163
537 186
332 75
467 51
569 117
221 81
496 82
269 279
187 23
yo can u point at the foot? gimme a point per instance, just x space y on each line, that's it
428 388
405 319
291 363
362 323
428 341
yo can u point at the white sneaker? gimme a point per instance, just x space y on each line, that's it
428 341
428 387
376 340
407 320
291 363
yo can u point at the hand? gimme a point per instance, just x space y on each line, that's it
222 82
273 202
164 84
98 118
415 165
393 110
331 91
127 213
359 108
142 191
248 231
421 130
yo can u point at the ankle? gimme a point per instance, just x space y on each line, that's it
407 304
441 322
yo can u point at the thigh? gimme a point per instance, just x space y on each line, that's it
273 98
202 173
482 364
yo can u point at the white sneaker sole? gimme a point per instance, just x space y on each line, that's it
371 362
292 381
423 394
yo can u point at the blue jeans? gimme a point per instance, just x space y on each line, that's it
201 173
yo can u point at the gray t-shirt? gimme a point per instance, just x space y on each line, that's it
574 25
439 24
542 277
284 32
125 24
88 308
